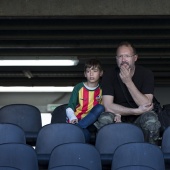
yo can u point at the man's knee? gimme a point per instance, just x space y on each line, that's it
149 121
104 119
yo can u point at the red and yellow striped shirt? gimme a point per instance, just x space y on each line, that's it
83 99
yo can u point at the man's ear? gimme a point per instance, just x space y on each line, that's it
136 57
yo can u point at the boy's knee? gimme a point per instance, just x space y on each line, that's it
101 107
98 109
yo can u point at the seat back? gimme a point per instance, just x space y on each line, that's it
165 146
59 114
68 167
110 136
138 154
11 133
26 116
81 154
8 168
52 135
166 141
17 155
136 167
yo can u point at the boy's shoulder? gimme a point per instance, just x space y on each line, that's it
79 85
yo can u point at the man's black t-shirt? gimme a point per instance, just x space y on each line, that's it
143 79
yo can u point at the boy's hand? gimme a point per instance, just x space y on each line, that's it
74 121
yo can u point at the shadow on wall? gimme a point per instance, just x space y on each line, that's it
163 95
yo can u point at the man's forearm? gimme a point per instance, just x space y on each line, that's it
124 111
138 97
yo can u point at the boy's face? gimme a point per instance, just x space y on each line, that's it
93 74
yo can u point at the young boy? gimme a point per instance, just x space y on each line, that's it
84 106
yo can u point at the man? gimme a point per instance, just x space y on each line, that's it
128 92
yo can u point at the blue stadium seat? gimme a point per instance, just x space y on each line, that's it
11 133
19 156
59 114
138 154
110 136
76 154
165 146
26 116
52 135
68 167
8 168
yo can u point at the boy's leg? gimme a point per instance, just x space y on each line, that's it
87 135
92 116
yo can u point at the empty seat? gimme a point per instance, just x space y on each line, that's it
19 156
52 135
165 146
138 154
81 154
135 167
110 136
26 116
68 167
10 133
8 168
59 114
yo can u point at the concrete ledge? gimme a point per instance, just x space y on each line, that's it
18 8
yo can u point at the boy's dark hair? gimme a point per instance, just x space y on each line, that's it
126 43
93 63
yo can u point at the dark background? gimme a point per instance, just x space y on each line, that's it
85 37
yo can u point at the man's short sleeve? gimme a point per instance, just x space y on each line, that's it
144 80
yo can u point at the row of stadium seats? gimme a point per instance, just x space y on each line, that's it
108 139
82 156
27 119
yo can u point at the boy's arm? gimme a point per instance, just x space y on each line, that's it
72 106
71 116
